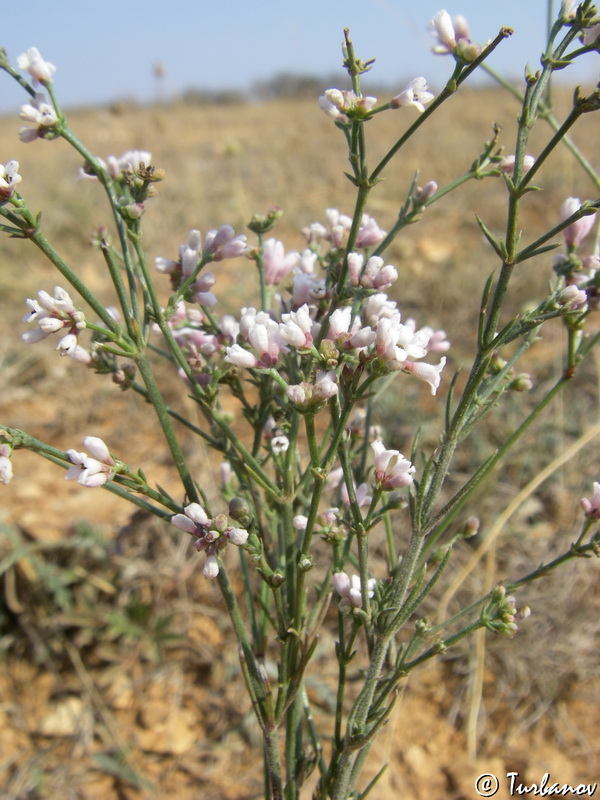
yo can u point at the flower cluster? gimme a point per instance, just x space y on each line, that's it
210 535
54 314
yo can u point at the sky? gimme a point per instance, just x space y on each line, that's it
106 50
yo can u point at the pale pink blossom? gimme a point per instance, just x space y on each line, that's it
307 288
430 373
453 36
396 342
392 469
130 161
591 34
277 263
415 94
349 589
591 507
573 298
53 314
325 385
578 230
296 328
91 470
424 193
373 275
361 493
507 164
338 103
33 63
443 30
9 178
210 535
222 244
369 233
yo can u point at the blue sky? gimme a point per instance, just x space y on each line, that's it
105 50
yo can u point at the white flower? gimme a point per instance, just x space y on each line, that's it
9 178
91 471
414 94
349 588
296 327
34 64
41 114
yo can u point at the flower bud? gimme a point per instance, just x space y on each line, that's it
241 511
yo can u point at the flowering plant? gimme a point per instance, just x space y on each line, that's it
305 366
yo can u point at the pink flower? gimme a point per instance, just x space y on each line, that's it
91 471
392 469
591 508
34 64
374 275
263 335
276 263
578 230
223 243
369 233
414 94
